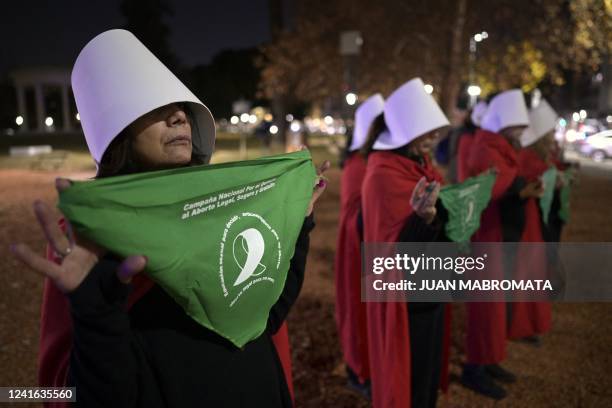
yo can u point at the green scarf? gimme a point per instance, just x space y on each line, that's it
464 203
549 179
218 238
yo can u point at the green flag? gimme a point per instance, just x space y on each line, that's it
549 179
564 196
464 203
218 238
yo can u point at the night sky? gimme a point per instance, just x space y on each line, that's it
43 33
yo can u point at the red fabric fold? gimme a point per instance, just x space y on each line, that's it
531 318
350 311
464 146
486 321
386 191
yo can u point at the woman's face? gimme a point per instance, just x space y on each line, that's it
545 146
424 145
162 138
513 134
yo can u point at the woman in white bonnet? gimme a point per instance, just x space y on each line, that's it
108 330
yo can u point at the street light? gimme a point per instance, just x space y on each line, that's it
428 88
244 118
273 129
234 120
19 120
295 126
49 121
474 90
351 98
474 40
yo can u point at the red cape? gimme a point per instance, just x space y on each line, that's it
463 150
350 311
386 191
531 318
56 333
486 321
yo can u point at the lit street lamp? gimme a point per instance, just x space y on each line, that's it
351 98
474 40
474 90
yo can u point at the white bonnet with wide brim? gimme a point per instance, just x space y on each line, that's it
364 116
116 80
410 112
478 113
542 120
505 110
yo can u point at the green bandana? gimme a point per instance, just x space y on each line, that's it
549 179
218 238
464 203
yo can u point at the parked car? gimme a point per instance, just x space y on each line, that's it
598 146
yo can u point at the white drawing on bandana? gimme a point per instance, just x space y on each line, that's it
249 244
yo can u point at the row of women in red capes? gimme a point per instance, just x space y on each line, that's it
375 336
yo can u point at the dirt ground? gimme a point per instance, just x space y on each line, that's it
570 369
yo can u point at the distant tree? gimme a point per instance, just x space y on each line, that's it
529 41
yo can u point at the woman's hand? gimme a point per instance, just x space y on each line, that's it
560 180
534 189
423 200
78 255
320 185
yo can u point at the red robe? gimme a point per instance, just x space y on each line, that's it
350 311
56 334
486 321
386 191
463 151
531 318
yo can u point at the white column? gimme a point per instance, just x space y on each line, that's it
40 107
66 108
21 107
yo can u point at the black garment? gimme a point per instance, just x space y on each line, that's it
155 355
425 320
512 211
551 232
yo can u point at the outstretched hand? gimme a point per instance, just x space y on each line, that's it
424 197
78 255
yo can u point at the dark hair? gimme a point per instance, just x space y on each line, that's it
118 159
376 128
